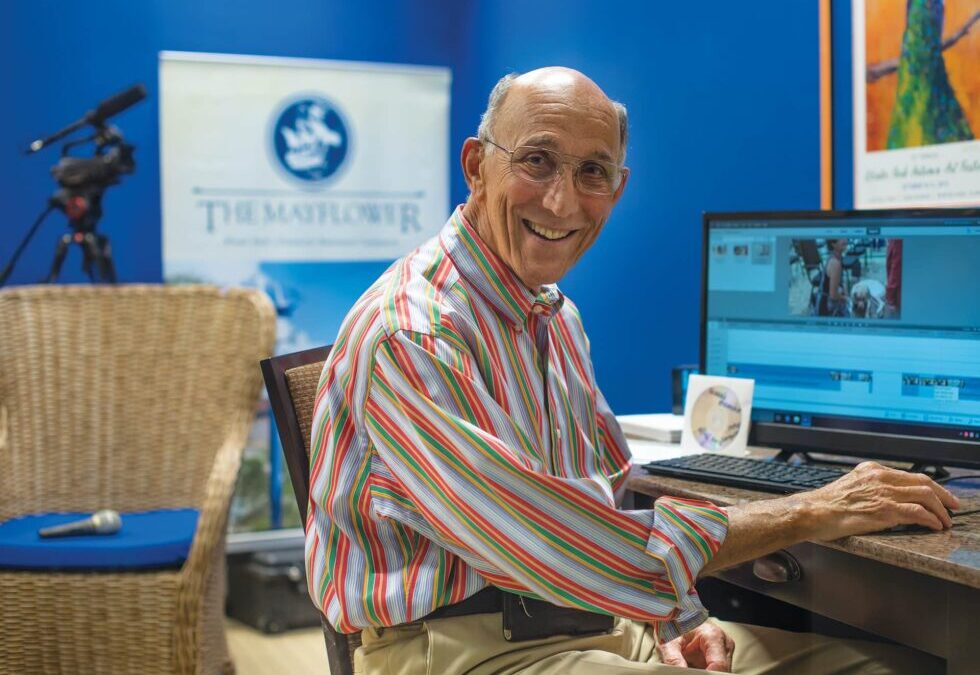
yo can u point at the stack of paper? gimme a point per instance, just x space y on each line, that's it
643 451
663 427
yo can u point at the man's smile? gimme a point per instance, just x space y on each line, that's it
545 233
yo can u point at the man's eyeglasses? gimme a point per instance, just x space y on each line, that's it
541 165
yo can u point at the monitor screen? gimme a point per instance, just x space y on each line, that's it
861 329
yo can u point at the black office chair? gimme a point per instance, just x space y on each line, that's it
291 380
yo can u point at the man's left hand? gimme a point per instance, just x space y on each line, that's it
707 647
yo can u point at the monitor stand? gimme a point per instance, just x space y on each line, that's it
806 458
934 471
787 455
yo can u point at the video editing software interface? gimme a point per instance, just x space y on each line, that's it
850 322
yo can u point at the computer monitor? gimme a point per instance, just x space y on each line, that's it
861 329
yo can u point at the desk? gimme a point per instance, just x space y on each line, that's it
920 590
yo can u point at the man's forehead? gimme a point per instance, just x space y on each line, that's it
556 111
560 91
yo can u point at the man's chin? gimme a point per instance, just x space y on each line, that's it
543 273
536 282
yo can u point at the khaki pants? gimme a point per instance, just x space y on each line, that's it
475 645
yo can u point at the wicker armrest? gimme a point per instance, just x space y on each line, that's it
207 543
217 496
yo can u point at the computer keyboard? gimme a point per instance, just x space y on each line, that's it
755 474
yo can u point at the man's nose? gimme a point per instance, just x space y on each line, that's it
561 197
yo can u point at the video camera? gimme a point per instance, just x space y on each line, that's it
84 179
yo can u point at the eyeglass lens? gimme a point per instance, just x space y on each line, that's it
541 165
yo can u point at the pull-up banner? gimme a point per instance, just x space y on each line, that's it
302 178
281 159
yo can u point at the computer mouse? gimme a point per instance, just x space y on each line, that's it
912 527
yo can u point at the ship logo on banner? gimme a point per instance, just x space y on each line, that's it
310 139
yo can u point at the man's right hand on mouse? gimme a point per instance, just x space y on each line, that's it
873 497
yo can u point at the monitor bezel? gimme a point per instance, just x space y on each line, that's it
862 444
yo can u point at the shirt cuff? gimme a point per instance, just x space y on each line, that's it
690 614
686 534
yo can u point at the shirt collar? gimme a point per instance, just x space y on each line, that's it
492 278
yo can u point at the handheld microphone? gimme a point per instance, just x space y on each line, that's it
101 522
113 105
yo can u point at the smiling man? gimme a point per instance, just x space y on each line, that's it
467 472
547 174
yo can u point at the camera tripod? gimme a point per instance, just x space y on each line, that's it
82 182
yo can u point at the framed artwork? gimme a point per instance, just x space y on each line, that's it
916 102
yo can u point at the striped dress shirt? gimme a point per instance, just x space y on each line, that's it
459 440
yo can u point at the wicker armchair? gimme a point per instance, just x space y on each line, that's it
132 398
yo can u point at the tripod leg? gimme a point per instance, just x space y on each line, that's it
106 266
90 256
60 251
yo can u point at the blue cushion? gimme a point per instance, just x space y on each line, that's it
148 539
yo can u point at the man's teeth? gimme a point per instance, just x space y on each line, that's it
545 232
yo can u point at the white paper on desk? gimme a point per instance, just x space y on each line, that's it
664 427
648 451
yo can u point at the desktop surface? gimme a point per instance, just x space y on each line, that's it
953 554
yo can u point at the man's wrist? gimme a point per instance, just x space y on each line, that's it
805 516
761 527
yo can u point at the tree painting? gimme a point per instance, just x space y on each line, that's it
929 92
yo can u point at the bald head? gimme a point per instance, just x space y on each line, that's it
513 93
559 78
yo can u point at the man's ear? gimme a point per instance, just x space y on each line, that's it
622 186
471 159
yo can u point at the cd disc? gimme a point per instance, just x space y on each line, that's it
716 418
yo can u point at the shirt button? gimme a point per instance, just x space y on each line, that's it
558 434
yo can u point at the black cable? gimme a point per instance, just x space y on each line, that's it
950 479
23 244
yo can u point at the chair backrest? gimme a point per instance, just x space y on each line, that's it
809 255
291 381
120 396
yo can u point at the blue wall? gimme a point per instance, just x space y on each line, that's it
723 107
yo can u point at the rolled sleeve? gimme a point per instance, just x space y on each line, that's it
686 534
